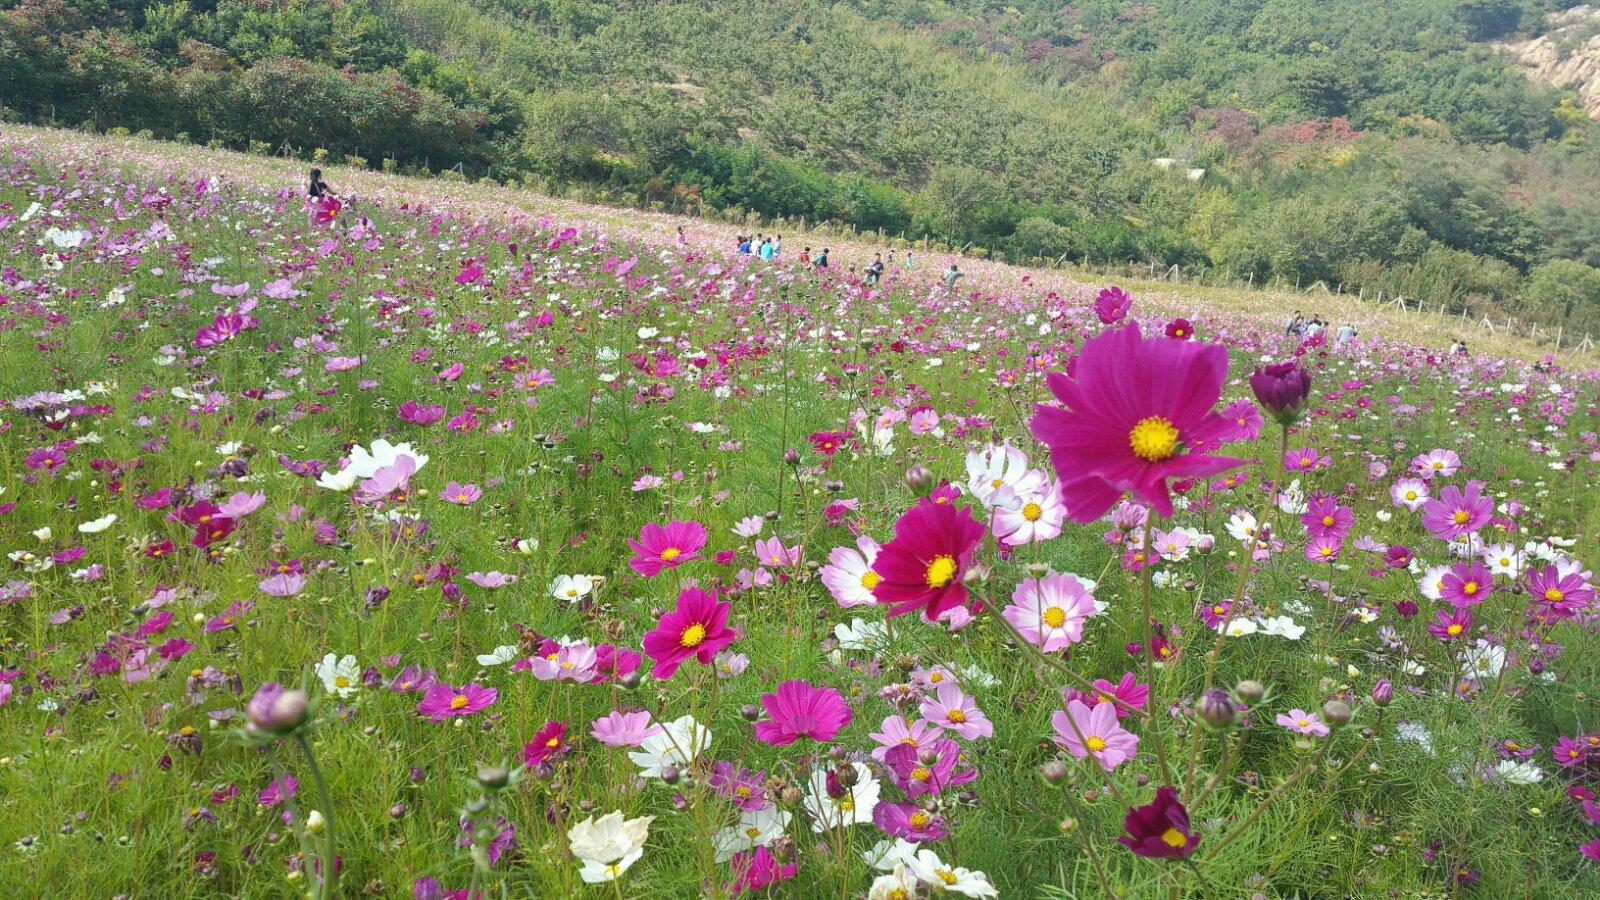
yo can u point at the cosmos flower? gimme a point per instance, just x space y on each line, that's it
1159 829
849 577
1050 612
1456 512
799 709
697 627
1086 732
1138 412
668 546
922 568
1301 722
442 702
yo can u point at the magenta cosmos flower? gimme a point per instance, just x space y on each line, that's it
1138 412
1160 828
922 567
698 627
799 709
1456 512
442 701
666 546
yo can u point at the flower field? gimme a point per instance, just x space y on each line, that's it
424 546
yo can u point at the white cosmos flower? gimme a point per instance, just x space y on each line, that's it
897 885
991 467
498 656
608 838
756 828
861 635
947 879
365 464
848 576
43 534
677 744
1282 626
854 808
340 676
571 588
594 872
1518 772
890 853
1240 627
98 525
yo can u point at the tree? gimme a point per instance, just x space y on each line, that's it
1571 286
961 203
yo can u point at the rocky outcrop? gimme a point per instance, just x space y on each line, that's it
1567 55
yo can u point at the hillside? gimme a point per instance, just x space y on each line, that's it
1567 54
1388 146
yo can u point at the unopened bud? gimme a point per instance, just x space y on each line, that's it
750 712
493 777
975 576
1250 691
791 456
670 774
1054 771
919 480
1336 713
1383 692
1217 708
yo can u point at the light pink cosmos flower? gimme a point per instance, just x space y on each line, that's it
461 494
848 576
1050 612
772 552
1087 732
624 729
920 735
949 708
1301 722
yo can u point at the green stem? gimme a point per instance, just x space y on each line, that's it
329 880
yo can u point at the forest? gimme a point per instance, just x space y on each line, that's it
1385 146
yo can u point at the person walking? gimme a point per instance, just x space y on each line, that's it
951 276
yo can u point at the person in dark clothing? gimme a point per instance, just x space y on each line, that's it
875 271
318 188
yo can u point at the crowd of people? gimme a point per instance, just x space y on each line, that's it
1301 327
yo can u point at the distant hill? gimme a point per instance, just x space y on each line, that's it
1567 54
1388 144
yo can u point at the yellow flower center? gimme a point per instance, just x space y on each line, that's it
1554 594
1032 512
1325 551
742 790
920 819
1411 495
956 716
922 773
1154 439
870 579
1095 743
186 730
1469 588
1173 838
458 701
1327 520
1453 630
671 553
941 571
1460 517
692 636
1055 617
341 681
1303 723
553 742
996 483
572 592
946 876
752 832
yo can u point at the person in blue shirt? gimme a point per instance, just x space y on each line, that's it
766 251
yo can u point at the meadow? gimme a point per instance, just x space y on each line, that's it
455 542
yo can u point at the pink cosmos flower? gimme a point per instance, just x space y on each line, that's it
550 742
1324 517
461 494
918 735
1450 625
1457 512
1436 464
922 567
1301 722
1565 593
623 729
949 708
1466 584
283 584
1411 493
772 552
1127 691
1050 612
697 628
1323 549
1138 412
418 414
441 701
799 709
1087 732
666 546
848 576
1111 305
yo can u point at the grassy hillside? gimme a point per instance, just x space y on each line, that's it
1384 145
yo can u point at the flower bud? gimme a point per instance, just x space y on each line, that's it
750 712
791 456
275 710
670 774
493 777
314 822
1281 389
1054 771
1217 708
1383 692
1336 713
976 576
1250 691
919 480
